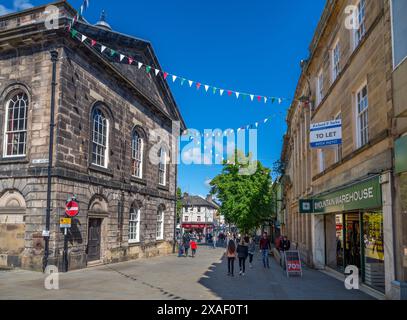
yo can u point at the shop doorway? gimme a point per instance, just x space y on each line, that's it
356 239
94 239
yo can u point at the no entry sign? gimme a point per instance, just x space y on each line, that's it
72 208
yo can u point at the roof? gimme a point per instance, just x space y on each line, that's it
196 201
155 91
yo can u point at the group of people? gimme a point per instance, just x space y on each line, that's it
243 248
187 242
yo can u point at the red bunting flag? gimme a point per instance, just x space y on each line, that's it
229 92
259 98
130 60
165 75
93 42
198 85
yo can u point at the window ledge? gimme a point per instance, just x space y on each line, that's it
13 160
165 188
106 171
134 243
138 180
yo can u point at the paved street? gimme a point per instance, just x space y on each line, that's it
203 277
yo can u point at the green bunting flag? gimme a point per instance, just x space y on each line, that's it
112 52
148 68
73 33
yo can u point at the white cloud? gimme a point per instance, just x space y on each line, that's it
207 182
18 5
4 10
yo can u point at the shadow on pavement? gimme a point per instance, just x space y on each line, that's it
273 284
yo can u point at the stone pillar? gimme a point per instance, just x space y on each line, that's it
318 241
386 183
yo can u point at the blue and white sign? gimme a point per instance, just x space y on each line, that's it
326 134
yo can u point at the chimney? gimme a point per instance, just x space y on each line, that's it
209 198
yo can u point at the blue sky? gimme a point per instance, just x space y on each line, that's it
248 46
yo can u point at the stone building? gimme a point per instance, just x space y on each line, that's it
114 140
199 214
399 27
339 200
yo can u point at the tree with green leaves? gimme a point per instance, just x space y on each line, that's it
246 199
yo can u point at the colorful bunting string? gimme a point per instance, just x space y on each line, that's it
130 60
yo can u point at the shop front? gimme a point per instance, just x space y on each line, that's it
353 232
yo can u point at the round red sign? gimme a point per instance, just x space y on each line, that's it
72 208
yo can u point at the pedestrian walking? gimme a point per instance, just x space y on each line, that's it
231 255
186 240
214 241
284 246
264 248
194 247
242 253
251 251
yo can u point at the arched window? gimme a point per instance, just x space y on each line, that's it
162 167
134 225
137 146
160 224
100 138
15 129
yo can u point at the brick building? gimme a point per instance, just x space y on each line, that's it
113 141
339 200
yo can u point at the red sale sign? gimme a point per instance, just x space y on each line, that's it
294 266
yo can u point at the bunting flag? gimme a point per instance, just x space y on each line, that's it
114 54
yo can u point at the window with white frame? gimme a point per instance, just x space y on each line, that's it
162 168
100 137
338 149
320 87
399 28
134 225
15 131
321 160
361 29
198 218
362 104
137 145
160 224
336 57
186 218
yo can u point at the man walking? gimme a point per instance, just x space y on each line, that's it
264 248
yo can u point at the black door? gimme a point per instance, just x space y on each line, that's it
94 239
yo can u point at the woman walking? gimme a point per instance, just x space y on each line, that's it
251 251
242 253
231 255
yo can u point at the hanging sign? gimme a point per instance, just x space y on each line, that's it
326 134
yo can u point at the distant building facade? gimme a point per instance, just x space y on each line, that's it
113 141
199 214
340 201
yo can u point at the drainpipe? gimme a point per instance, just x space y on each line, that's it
54 59
175 211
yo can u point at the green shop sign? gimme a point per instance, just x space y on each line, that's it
364 195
